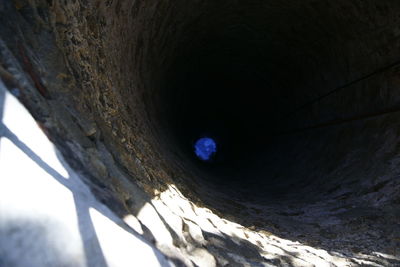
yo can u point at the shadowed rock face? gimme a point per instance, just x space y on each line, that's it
302 98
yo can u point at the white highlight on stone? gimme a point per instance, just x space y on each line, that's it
148 216
47 213
118 246
133 223
19 121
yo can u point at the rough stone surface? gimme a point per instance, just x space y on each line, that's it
92 73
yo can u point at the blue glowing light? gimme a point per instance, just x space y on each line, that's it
205 148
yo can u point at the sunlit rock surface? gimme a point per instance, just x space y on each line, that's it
305 107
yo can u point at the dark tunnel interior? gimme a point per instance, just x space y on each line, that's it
301 97
275 88
225 92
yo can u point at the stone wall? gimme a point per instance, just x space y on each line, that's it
116 86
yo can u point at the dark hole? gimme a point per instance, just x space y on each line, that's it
272 94
301 98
